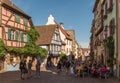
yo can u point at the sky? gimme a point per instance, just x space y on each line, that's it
75 14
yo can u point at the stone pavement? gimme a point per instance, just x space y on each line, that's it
50 76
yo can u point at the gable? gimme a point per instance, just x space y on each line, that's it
56 37
46 33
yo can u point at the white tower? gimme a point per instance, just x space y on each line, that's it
51 20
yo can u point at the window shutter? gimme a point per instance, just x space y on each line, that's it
16 36
25 22
17 19
9 34
22 38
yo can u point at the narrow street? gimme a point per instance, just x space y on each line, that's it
50 76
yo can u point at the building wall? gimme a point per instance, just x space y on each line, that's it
9 22
10 32
112 15
118 36
62 36
97 29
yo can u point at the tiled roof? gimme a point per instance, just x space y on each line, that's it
13 7
71 33
85 49
46 33
64 32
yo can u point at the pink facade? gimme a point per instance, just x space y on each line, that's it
15 21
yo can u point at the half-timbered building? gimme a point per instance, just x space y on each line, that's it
14 24
50 40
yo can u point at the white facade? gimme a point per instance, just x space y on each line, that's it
76 50
68 47
65 48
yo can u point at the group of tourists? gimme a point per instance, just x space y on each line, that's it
79 68
26 67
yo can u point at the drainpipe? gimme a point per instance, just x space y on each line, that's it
117 54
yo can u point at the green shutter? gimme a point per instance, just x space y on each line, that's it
17 19
16 36
22 36
25 22
9 34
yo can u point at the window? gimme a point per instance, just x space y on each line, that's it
28 38
105 10
109 5
111 26
11 34
25 37
17 18
25 22
108 31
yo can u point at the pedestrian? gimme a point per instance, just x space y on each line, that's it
29 68
21 67
59 66
67 65
38 69
25 69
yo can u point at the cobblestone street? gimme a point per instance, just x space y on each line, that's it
49 76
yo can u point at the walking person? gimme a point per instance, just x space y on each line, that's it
25 69
38 69
21 67
67 65
59 66
29 68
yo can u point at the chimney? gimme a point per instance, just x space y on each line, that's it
62 24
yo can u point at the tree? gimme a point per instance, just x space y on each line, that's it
63 57
109 44
33 34
31 47
2 48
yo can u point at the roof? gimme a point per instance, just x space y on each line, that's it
71 33
46 33
85 49
12 6
65 33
